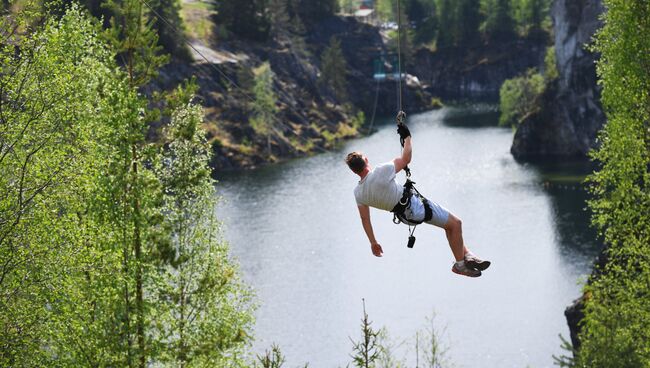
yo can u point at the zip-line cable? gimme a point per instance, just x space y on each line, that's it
399 54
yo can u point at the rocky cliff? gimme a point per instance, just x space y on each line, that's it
570 114
479 71
310 118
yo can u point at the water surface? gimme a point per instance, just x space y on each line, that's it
296 231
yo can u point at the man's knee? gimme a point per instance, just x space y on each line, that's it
453 223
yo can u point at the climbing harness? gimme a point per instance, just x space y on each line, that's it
410 192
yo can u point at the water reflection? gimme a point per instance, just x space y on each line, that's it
564 182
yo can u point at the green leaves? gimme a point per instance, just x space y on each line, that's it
110 252
517 97
617 310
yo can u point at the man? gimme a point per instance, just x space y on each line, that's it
378 188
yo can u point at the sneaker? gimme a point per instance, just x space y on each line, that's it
462 269
476 263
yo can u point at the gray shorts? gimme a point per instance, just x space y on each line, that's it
415 212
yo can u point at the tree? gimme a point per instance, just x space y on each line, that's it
446 21
169 30
424 15
312 10
499 24
245 18
617 311
367 350
264 106
534 13
334 69
97 230
205 309
517 97
50 109
467 22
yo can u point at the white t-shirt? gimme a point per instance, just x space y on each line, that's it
379 189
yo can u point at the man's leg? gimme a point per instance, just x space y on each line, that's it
454 231
466 262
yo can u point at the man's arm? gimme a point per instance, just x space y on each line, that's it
402 161
364 212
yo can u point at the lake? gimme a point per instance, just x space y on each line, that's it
296 232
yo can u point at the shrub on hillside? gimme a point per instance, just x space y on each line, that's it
517 97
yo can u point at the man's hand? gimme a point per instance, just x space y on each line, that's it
376 249
403 131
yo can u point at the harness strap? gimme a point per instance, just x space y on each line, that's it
404 203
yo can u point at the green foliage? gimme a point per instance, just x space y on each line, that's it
617 308
50 103
467 22
100 229
169 31
244 18
366 351
334 69
532 15
272 358
446 37
517 97
430 349
499 23
312 10
423 14
264 106
135 40
550 64
203 309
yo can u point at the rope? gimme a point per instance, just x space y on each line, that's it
401 115
232 82
399 53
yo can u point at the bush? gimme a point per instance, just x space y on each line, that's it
517 97
550 64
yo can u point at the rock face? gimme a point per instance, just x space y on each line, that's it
477 72
309 115
362 45
570 114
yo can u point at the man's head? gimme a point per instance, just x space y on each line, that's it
357 162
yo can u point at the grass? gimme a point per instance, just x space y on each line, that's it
197 17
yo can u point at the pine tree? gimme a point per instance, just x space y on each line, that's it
499 24
312 10
244 18
467 22
334 69
446 21
169 30
425 16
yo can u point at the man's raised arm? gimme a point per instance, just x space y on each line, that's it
402 161
364 212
